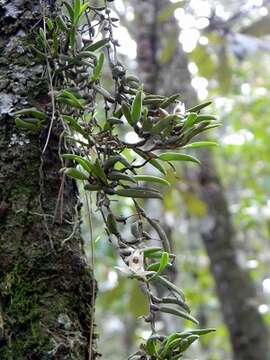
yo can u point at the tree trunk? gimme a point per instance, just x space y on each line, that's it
45 283
235 290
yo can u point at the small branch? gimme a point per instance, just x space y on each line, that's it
50 86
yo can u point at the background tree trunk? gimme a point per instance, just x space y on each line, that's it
45 283
235 290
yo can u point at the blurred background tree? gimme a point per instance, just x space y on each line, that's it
206 49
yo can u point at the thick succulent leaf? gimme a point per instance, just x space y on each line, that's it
32 112
151 179
154 162
151 347
70 11
149 251
200 144
198 332
117 175
139 193
75 174
61 23
173 156
164 261
136 109
199 107
73 124
127 113
169 101
31 124
187 342
190 120
97 45
161 233
165 282
67 97
76 9
99 171
98 68
179 313
80 160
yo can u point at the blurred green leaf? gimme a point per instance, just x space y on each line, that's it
258 28
168 50
224 72
137 304
168 11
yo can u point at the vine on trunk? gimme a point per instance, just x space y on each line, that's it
74 47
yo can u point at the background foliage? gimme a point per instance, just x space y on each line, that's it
223 41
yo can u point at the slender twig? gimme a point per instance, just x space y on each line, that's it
88 208
51 92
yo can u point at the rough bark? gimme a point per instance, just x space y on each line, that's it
45 284
235 289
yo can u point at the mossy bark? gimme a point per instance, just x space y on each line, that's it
248 333
45 283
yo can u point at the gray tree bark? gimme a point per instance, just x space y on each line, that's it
248 333
46 286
